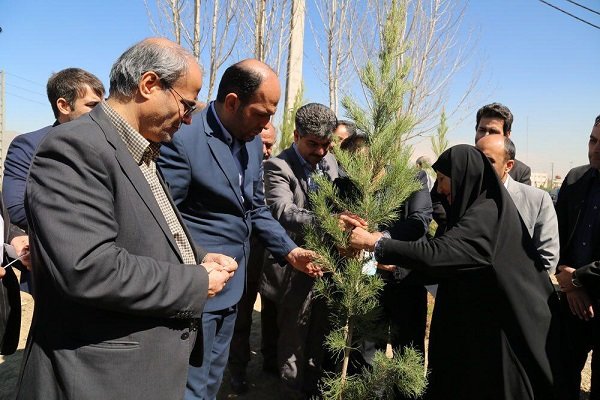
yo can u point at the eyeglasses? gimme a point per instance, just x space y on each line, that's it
189 106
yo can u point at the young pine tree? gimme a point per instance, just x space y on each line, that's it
381 179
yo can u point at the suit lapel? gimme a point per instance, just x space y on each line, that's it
134 174
222 154
297 169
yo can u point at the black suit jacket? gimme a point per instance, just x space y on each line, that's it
10 298
569 207
115 308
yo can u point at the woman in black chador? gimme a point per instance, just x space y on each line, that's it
493 333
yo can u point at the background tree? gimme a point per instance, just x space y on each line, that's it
341 22
267 30
288 125
197 24
432 58
439 142
293 80
381 179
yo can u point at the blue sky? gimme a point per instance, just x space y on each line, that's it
541 63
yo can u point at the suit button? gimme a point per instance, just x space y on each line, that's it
185 335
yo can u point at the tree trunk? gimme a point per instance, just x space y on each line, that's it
213 52
295 54
261 17
348 333
196 44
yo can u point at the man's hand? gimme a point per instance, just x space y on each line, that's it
21 245
227 263
390 268
2 272
363 239
349 221
580 304
301 259
565 278
217 277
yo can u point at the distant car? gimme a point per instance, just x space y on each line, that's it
554 194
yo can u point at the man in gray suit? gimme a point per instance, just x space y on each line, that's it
117 286
288 182
534 205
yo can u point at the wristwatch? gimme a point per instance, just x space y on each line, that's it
575 281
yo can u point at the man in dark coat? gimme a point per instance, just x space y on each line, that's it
117 286
10 299
578 212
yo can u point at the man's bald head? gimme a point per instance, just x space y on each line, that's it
268 137
244 78
500 150
247 98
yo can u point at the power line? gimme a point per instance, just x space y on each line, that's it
584 7
25 89
25 79
25 98
569 14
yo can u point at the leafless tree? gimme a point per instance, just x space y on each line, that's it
196 24
267 30
435 56
341 22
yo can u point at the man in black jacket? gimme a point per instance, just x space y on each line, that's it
578 212
10 299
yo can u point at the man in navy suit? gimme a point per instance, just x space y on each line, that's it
214 168
72 92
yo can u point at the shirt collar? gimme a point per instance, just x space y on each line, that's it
227 137
141 149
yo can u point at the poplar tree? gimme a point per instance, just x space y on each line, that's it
381 178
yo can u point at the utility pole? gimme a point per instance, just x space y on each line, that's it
552 177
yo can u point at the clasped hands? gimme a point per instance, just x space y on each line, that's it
220 269
579 301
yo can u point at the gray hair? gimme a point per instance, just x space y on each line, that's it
169 62
315 119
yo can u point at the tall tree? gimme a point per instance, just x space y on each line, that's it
197 24
293 81
341 21
380 179
266 30
436 50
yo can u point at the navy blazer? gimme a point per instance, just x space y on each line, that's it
16 168
203 178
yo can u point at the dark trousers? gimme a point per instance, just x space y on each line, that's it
239 352
579 338
203 382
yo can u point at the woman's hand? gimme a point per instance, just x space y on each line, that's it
363 239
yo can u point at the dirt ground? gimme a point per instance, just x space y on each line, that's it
262 386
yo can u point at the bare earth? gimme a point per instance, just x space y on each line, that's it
262 386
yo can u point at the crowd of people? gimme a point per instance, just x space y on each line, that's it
144 224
